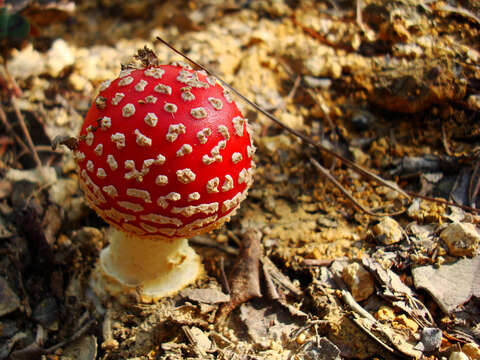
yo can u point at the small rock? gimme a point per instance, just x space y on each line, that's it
473 102
385 313
59 57
9 301
79 83
26 63
431 340
407 322
388 231
62 191
324 349
462 239
358 280
45 175
456 355
472 351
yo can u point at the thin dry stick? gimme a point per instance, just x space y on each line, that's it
321 104
443 202
26 132
344 191
446 146
359 17
294 89
3 119
306 139
303 137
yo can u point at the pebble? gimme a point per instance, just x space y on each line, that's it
462 239
388 231
473 102
62 191
430 340
385 313
323 66
359 281
26 63
59 57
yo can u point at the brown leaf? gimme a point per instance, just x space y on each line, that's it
245 275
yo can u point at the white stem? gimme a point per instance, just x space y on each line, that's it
156 268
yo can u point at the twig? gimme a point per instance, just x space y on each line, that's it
303 137
373 336
359 17
3 119
344 191
307 140
278 277
327 117
206 241
355 306
294 88
446 145
443 202
26 132
223 276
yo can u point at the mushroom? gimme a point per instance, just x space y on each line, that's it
163 154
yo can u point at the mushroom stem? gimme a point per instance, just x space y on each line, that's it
151 268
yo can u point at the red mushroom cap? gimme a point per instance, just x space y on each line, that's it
164 152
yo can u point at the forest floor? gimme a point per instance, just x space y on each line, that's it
393 87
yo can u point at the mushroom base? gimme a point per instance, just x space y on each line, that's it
145 269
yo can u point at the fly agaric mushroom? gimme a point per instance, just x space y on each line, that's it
164 154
